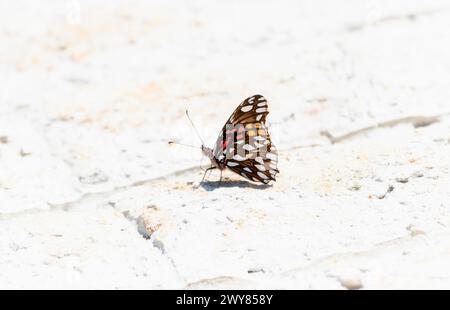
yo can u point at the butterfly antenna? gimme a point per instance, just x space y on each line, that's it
188 145
196 131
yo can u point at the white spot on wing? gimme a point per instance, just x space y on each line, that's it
239 157
232 164
272 156
248 147
262 104
262 175
260 167
248 169
258 118
246 108
260 110
260 160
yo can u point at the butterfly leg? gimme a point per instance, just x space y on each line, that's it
206 171
220 180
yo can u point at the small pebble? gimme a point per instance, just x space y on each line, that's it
351 283
402 180
255 270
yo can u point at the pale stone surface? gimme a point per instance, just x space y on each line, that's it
91 195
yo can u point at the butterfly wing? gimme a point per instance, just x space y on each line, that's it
244 145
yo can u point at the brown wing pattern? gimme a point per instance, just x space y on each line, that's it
251 110
244 145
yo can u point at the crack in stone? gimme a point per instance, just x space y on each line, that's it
335 258
94 197
389 190
156 243
416 121
385 19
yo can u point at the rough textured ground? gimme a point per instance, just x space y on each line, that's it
91 195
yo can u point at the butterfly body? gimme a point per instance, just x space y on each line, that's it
244 145
208 152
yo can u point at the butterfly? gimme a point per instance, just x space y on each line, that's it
244 145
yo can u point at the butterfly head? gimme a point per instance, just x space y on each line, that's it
208 152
